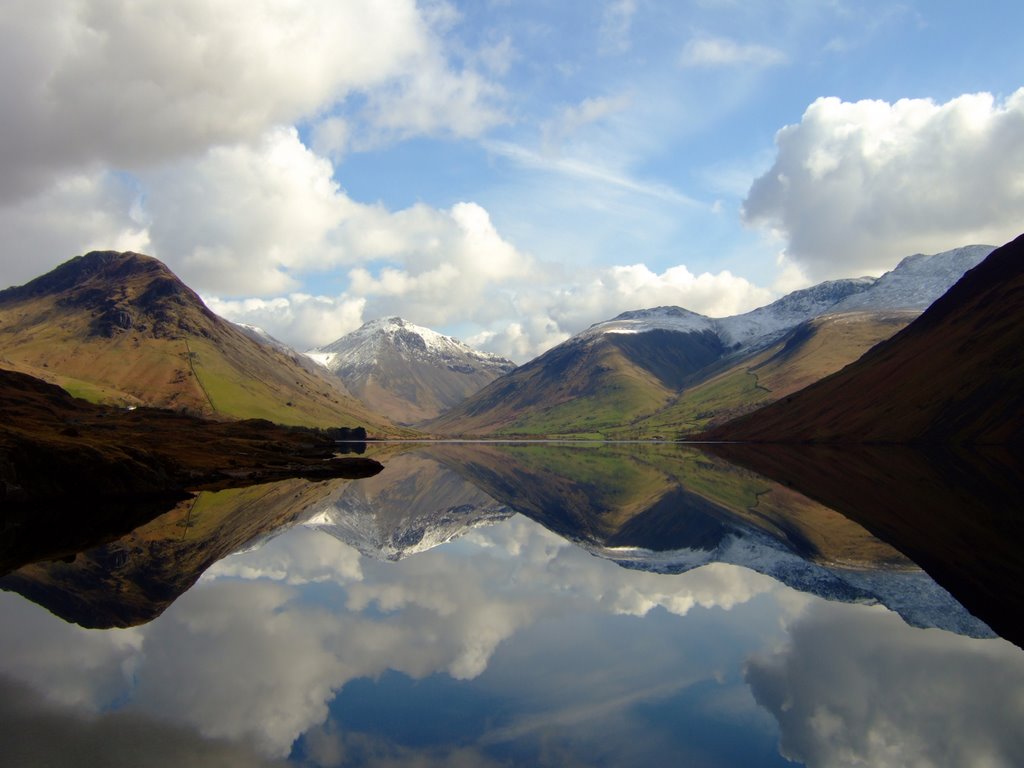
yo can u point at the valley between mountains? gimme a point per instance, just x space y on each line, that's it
121 331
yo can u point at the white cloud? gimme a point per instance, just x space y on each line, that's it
711 51
716 295
79 213
128 83
856 186
240 219
300 320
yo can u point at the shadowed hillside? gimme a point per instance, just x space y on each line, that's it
954 375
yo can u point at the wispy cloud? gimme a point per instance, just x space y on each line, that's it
582 169
616 26
708 51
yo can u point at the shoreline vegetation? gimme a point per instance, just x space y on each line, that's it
58 449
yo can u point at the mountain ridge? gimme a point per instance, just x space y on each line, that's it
955 374
607 379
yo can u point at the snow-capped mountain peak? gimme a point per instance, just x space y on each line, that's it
407 371
914 283
364 346
657 318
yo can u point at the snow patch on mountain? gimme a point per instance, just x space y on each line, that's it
658 318
772 321
363 348
917 281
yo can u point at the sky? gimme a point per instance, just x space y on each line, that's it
505 171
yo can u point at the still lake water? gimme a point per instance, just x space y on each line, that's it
502 605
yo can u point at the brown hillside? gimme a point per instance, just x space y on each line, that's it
121 328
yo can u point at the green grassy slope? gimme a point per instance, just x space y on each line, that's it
810 352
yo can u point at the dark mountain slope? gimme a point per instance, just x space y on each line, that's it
956 374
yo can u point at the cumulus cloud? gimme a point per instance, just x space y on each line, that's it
240 219
857 686
710 51
79 213
856 186
549 315
132 83
300 320
637 285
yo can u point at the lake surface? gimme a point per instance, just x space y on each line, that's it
502 605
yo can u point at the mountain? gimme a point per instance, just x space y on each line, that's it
955 511
672 509
636 375
809 352
121 328
954 375
406 371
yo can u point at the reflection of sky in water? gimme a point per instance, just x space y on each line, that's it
508 646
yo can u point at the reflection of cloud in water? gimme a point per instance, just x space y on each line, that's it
74 666
857 686
36 732
303 556
258 649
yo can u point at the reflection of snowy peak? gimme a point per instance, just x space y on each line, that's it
408 372
911 593
358 525
413 506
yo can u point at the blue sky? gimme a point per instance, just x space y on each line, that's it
508 171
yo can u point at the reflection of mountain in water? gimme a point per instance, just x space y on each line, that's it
415 504
674 509
132 580
663 508
957 513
